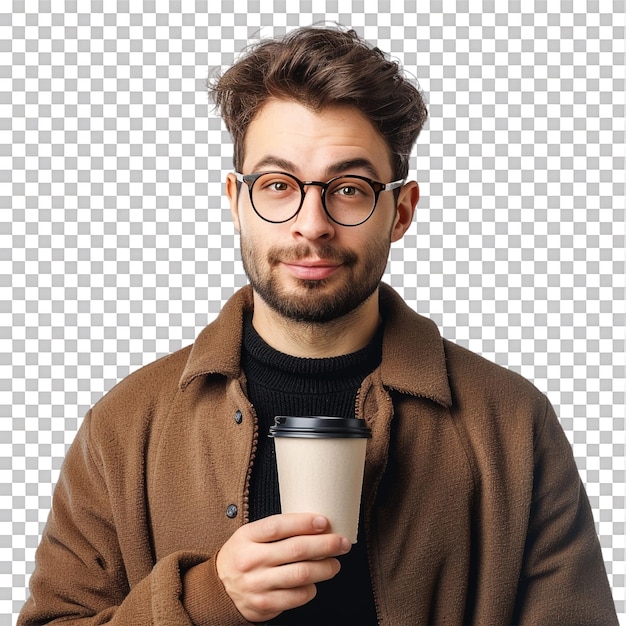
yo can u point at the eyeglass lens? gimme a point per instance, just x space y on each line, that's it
277 197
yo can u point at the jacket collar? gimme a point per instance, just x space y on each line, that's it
413 353
217 349
414 360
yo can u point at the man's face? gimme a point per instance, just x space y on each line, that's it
310 269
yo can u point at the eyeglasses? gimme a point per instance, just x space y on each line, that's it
348 200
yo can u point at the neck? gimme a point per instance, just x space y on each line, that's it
344 335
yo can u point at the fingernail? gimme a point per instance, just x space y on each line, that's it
345 544
320 523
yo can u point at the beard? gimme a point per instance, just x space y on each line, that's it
316 301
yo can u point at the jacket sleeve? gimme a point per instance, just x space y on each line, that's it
564 580
82 572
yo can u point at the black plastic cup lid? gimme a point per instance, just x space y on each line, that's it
319 427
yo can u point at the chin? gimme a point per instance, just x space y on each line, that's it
316 307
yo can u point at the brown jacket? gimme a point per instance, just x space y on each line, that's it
473 507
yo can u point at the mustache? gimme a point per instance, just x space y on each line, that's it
325 252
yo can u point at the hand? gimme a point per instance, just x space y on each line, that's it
272 565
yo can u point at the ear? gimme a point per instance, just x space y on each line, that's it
232 193
405 208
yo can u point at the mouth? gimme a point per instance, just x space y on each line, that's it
311 269
308 264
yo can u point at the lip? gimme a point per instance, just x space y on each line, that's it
312 270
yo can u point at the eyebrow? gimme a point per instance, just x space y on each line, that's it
333 169
353 164
274 161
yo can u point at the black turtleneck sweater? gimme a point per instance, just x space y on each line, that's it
279 384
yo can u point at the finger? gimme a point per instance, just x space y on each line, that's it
261 608
293 583
303 548
303 573
285 525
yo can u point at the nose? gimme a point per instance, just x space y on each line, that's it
312 221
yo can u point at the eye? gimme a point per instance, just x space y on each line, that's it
349 188
272 183
347 191
279 185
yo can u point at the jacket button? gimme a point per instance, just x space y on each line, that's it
231 511
238 416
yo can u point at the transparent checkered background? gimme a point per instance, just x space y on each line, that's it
116 245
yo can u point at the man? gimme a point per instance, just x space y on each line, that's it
167 508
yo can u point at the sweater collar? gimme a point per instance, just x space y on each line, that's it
273 369
413 352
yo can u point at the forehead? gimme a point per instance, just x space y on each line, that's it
311 141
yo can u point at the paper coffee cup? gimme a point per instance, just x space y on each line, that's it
320 468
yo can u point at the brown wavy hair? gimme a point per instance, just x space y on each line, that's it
320 66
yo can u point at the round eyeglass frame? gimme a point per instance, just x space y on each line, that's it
377 187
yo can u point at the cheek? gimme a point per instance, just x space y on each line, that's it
245 218
254 235
249 225
378 231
